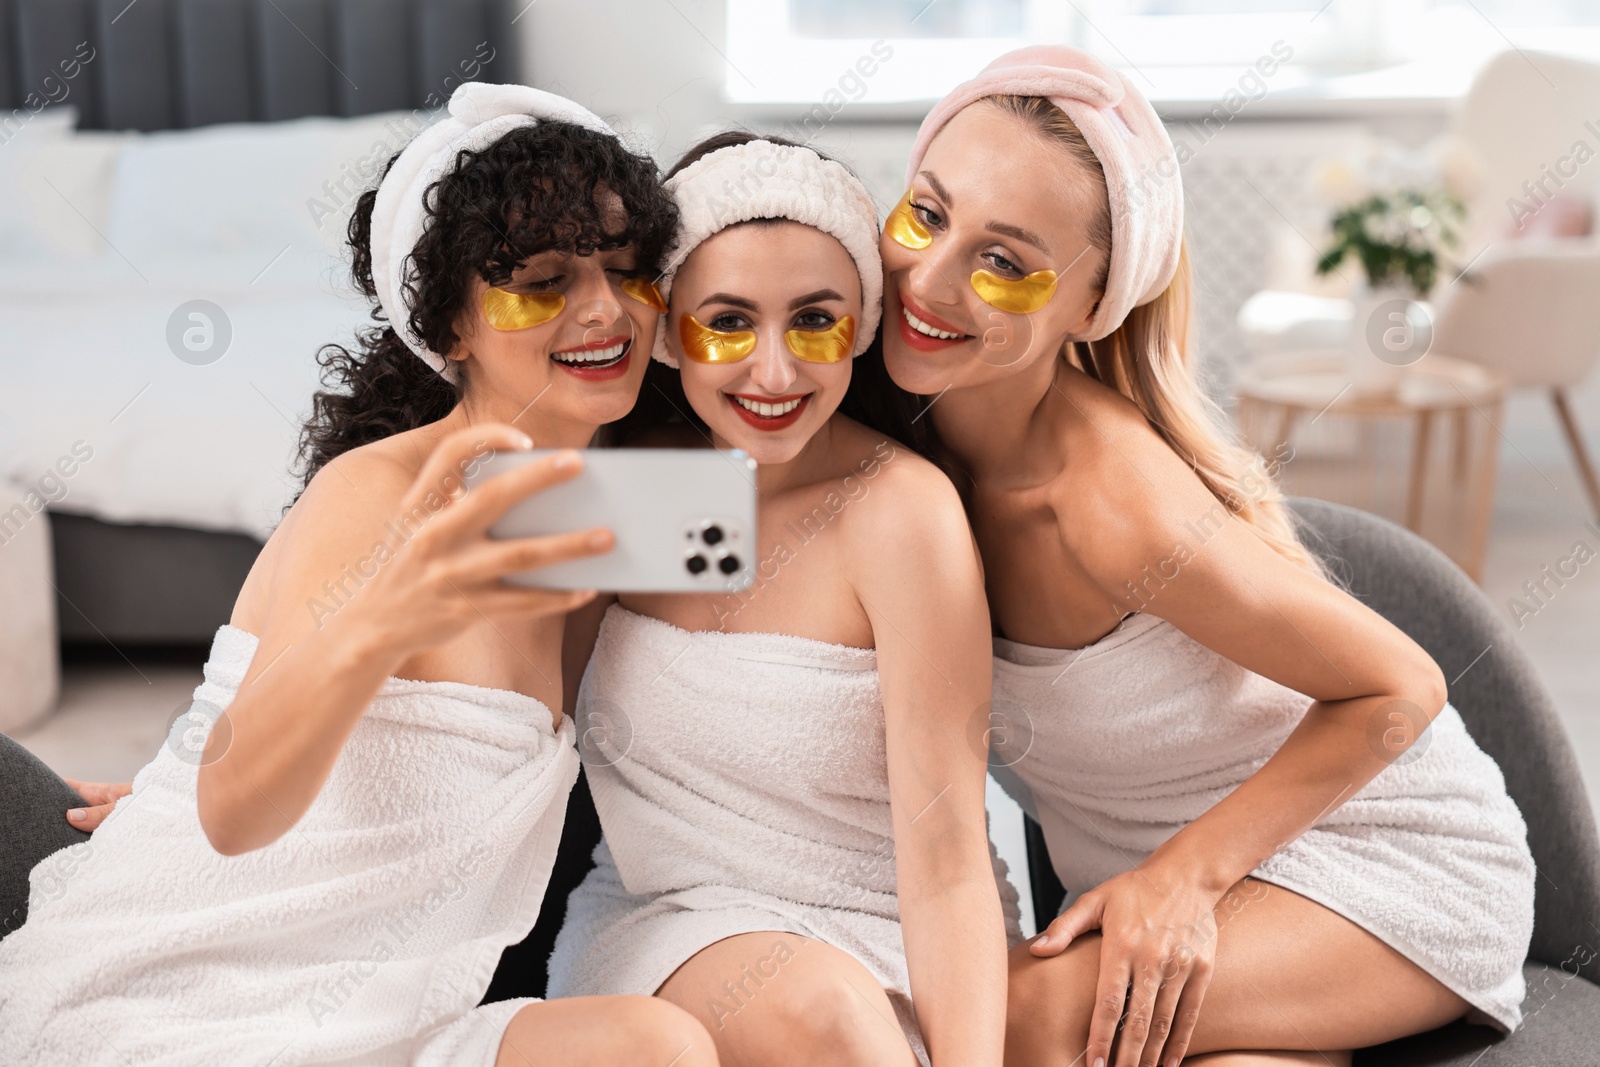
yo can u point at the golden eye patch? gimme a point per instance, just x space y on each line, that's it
520 311
904 228
644 290
1020 296
704 345
823 346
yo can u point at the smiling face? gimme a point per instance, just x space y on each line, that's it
582 366
764 279
993 194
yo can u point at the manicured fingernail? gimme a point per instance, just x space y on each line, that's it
77 815
1099 1061
524 441
567 460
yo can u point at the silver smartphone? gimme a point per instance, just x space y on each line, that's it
685 519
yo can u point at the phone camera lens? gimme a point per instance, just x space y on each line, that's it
712 534
696 563
729 564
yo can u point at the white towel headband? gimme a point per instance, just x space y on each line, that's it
480 114
762 180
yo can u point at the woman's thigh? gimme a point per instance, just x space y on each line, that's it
605 1032
1290 975
35 802
1269 1059
776 999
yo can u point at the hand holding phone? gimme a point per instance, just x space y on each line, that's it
684 519
441 571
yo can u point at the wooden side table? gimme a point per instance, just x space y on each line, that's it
1282 391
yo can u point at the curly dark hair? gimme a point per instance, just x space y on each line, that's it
873 399
536 189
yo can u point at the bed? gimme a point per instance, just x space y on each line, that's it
175 177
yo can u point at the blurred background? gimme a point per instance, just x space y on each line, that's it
1390 203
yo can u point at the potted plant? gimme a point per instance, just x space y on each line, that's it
1397 216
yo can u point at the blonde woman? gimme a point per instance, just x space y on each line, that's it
1266 866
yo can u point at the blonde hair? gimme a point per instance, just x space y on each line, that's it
1148 359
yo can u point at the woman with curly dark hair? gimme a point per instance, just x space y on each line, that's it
363 806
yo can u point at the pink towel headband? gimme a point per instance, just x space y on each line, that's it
1141 167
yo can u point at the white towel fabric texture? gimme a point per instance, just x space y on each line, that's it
1137 735
762 180
480 114
365 935
743 788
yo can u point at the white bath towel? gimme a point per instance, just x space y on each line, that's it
742 783
1131 739
365 935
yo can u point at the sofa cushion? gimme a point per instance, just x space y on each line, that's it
1560 1026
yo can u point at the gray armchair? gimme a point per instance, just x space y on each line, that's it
1510 715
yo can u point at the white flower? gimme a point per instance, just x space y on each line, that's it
1459 166
1339 183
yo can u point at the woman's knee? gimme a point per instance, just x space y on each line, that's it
655 1031
605 1031
836 1023
1048 1004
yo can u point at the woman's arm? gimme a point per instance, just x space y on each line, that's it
1373 691
917 574
316 670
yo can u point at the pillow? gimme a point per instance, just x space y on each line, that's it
251 188
54 194
45 124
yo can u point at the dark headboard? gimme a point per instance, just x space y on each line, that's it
168 64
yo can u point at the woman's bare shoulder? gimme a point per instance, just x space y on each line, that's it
339 517
866 456
896 497
365 483
1122 490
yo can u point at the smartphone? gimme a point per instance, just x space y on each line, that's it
684 518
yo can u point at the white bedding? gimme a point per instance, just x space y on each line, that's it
223 214
204 446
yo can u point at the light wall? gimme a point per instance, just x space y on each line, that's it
657 71
653 68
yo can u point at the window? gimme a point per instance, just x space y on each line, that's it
907 18
899 51
803 51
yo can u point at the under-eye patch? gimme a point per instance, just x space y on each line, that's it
1020 296
520 311
823 346
704 345
644 290
904 228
